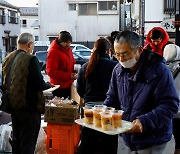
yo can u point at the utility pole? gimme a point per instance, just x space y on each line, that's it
121 15
142 21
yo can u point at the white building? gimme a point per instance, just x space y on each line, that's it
157 13
9 26
84 19
29 21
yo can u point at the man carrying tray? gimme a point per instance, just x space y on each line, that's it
142 86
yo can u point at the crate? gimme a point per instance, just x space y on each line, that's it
62 139
62 114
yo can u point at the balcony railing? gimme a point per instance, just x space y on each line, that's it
169 6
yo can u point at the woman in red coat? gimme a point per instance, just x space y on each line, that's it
60 64
157 38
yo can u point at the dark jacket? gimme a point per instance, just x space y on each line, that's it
149 95
95 88
27 84
160 47
60 65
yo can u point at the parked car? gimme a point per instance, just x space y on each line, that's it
83 52
80 59
78 47
42 57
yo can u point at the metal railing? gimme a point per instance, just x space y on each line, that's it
169 6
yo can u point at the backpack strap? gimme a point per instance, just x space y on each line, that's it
12 67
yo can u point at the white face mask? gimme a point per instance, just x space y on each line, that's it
129 63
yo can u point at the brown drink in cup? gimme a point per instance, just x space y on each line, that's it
88 115
117 118
106 121
96 115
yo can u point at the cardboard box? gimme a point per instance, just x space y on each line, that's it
65 114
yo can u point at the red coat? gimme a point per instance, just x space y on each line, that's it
60 65
160 47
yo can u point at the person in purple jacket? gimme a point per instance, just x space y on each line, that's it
143 87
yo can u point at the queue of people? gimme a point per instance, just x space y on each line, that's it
120 73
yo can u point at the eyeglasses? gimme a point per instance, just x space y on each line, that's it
123 55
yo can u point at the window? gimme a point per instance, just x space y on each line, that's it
13 40
84 52
88 9
13 17
4 42
107 5
24 23
36 38
80 47
72 7
2 16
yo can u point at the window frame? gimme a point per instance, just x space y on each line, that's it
87 5
24 24
12 18
73 7
108 4
2 16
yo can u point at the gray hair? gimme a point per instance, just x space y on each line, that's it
129 37
25 38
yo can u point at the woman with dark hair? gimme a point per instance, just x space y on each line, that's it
92 85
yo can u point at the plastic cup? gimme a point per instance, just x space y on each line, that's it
108 109
88 114
117 118
96 115
106 118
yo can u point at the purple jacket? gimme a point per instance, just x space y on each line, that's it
149 95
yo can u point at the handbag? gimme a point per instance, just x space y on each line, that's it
5 105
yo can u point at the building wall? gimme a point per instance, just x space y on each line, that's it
13 28
29 22
154 15
82 28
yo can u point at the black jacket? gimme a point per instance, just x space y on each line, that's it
95 88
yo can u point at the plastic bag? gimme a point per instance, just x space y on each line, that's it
5 135
41 142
